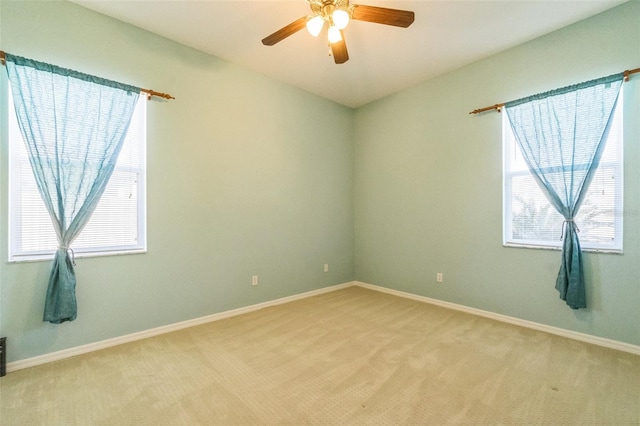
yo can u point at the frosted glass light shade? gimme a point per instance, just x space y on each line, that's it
334 34
340 19
314 25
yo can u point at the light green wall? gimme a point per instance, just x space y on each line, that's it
428 194
241 182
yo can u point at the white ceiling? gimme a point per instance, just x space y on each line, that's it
382 59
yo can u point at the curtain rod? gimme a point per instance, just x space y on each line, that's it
148 92
499 107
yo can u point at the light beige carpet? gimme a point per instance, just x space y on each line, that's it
350 357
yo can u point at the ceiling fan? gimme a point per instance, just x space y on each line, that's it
337 14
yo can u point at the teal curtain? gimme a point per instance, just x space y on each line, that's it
561 135
74 125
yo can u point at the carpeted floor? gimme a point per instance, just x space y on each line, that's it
349 357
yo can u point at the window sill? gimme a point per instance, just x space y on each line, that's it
585 250
49 256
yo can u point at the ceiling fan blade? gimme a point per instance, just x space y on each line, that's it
382 15
339 50
285 32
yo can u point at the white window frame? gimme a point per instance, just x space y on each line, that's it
510 150
17 159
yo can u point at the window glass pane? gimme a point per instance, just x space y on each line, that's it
529 219
117 224
533 216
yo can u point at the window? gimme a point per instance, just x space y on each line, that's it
530 220
118 225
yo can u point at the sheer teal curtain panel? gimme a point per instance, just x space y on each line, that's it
73 125
561 135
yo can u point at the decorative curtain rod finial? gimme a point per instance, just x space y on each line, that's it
628 73
497 107
151 93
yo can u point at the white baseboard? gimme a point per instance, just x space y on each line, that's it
103 344
595 340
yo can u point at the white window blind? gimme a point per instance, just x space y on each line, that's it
530 220
118 225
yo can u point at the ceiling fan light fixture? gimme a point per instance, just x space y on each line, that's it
315 24
340 18
334 34
338 14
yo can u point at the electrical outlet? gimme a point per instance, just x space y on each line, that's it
326 267
439 277
254 280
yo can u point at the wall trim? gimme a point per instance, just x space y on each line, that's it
575 335
104 344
